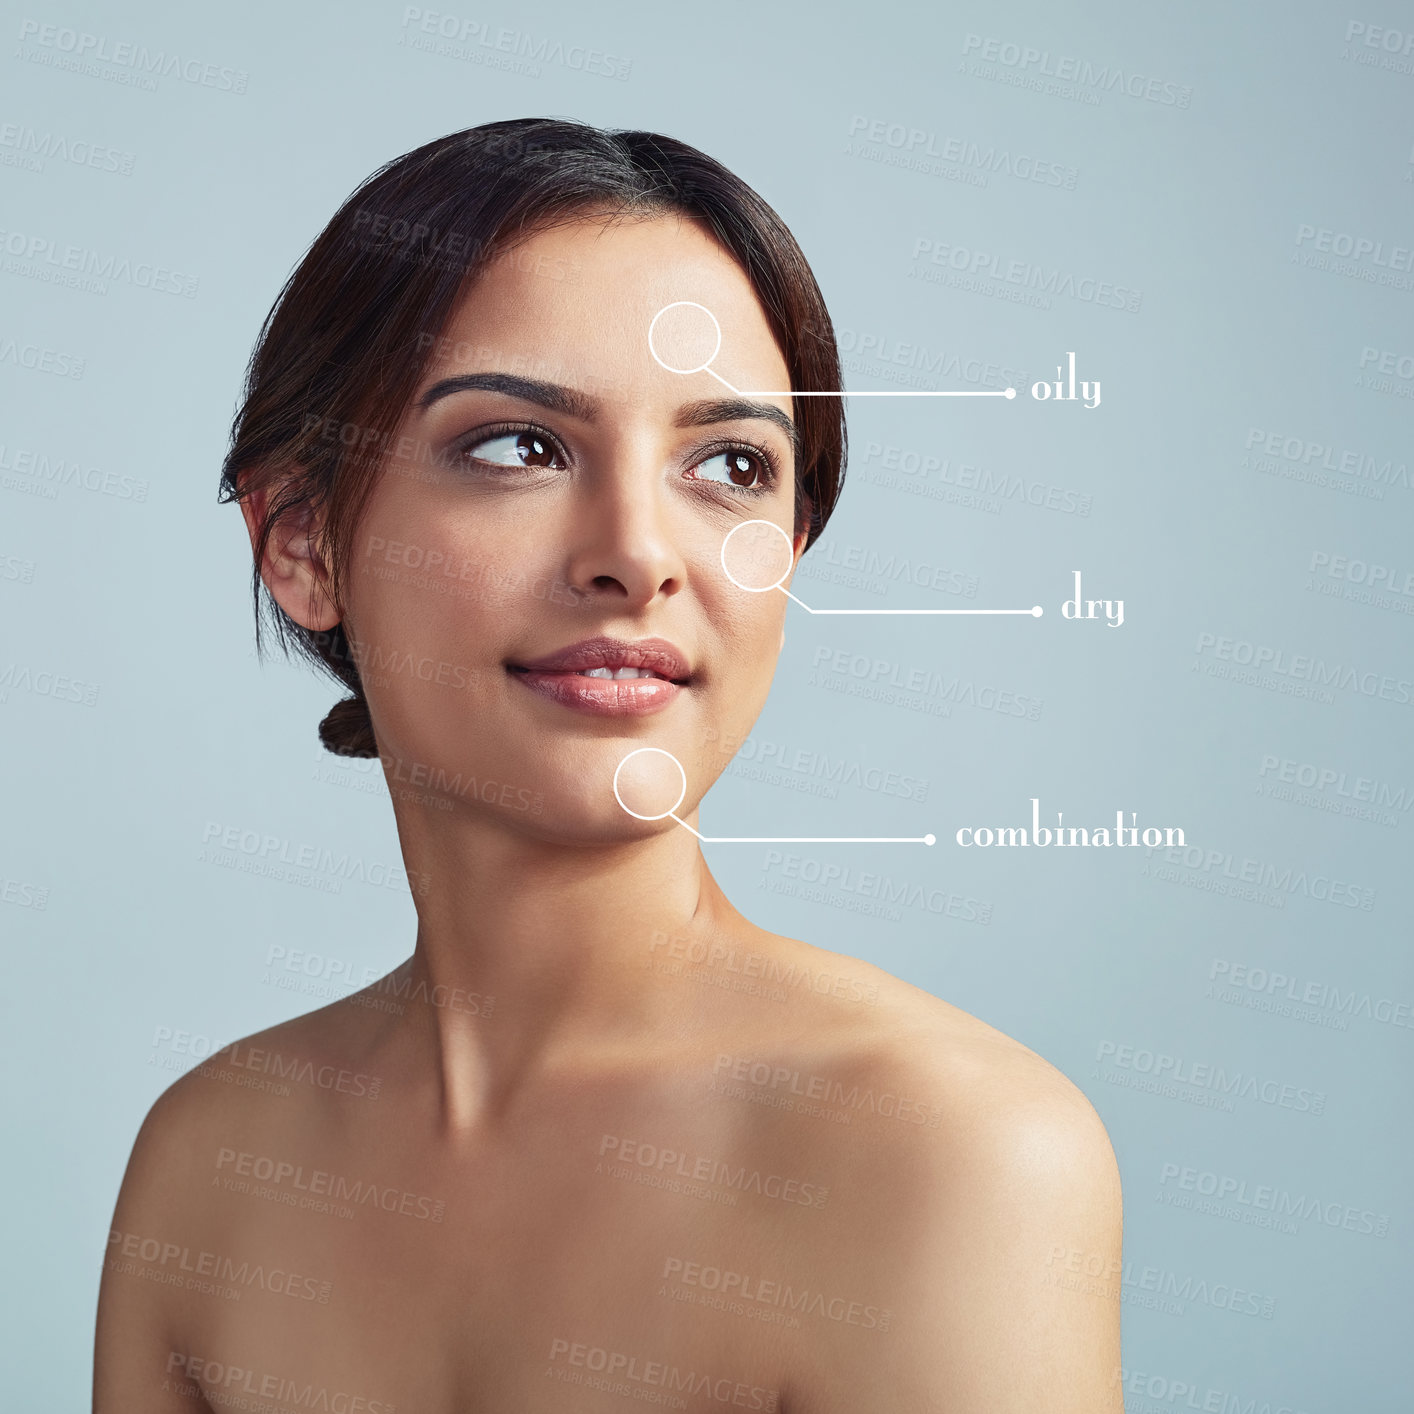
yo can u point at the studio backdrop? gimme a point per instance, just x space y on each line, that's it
1172 251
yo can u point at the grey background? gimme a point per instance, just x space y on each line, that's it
119 936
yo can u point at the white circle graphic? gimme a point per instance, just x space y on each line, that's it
758 588
687 304
653 751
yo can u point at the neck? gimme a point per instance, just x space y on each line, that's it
536 955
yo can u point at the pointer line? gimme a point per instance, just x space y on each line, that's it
806 839
863 393
1032 613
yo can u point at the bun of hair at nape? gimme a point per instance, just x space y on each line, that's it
347 729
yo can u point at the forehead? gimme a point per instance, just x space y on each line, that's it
580 297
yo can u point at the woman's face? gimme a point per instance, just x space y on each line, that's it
557 498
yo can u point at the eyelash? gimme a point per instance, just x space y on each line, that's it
769 480
463 453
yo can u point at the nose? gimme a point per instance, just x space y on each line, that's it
623 548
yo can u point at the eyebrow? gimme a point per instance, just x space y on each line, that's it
554 396
737 410
558 398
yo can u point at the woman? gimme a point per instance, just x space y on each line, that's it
600 1138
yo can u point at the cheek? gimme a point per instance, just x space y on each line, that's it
740 616
746 634
420 602
746 637
431 573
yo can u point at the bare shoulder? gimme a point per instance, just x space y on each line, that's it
983 1180
974 1077
274 1082
319 1052
169 1217
927 1107
289 1083
1005 1126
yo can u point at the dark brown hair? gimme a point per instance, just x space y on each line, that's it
341 353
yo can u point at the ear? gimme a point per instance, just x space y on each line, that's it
807 516
295 571
797 548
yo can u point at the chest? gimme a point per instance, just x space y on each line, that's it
602 1258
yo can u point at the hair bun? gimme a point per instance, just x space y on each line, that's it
347 730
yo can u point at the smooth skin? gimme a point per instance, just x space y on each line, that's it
599 1136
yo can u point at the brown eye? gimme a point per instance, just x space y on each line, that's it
737 467
741 467
523 448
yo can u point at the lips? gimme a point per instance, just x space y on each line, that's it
656 656
608 676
